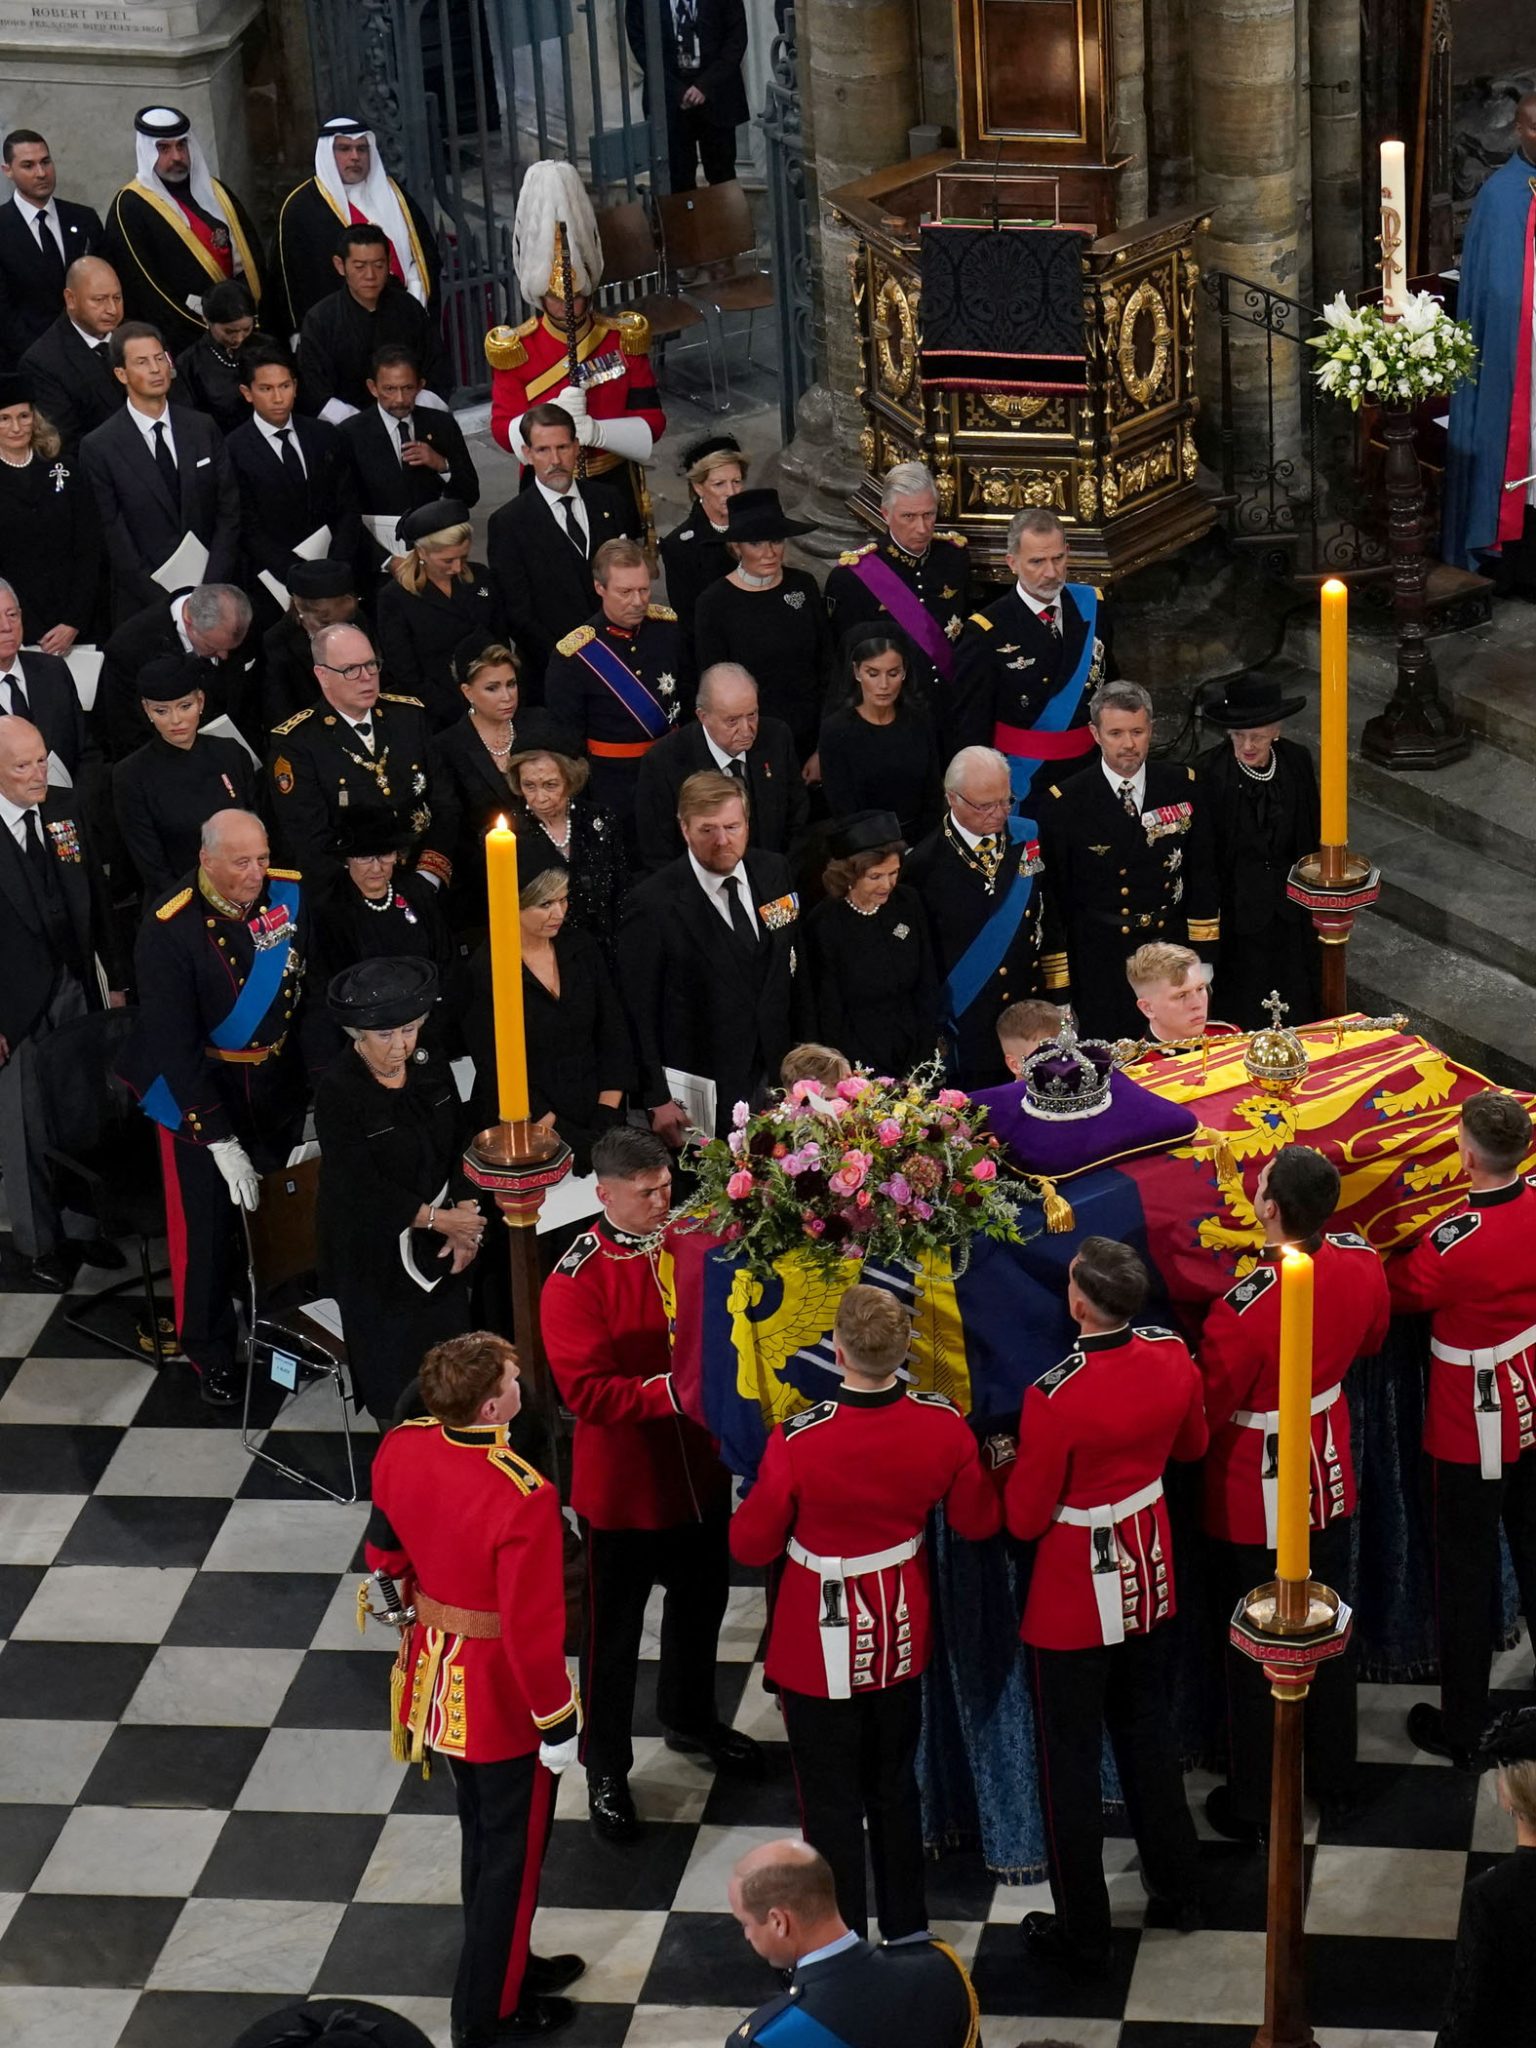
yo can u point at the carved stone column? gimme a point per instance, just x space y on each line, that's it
1170 162
1130 67
1336 250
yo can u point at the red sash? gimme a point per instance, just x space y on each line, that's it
1028 743
225 256
360 220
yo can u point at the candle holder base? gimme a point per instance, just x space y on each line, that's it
1334 884
518 1163
1291 1649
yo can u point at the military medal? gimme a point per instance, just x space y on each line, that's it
66 840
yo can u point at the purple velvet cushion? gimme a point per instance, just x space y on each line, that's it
1136 1121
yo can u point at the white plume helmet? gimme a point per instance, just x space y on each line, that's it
553 192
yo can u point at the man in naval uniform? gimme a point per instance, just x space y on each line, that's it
918 579
176 230
611 398
1027 666
350 187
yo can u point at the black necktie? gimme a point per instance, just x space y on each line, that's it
37 853
1049 619
365 733
741 923
687 26
165 462
403 429
293 462
102 351
737 767
572 527
18 703
48 242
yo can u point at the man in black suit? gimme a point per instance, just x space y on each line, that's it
541 542
343 333
404 453
70 363
53 921
161 477
706 959
1128 860
733 738
1026 666
703 43
40 687
294 478
208 624
40 237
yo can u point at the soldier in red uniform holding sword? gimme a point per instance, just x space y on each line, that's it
1475 1273
649 1489
1240 1359
469 1534
847 1487
1087 1488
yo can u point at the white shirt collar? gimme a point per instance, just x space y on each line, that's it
146 425
1038 604
1138 782
553 498
718 755
92 341
30 210
713 886
13 815
181 630
972 839
828 1949
395 425
271 432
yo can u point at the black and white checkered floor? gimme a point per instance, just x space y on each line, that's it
199 1817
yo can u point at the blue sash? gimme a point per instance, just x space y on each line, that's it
236 1030
1061 708
988 950
627 687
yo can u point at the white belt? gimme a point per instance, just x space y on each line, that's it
1105 1571
1487 1395
1269 1421
834 1572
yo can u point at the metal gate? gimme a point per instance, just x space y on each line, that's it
790 219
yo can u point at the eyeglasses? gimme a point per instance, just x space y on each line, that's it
354 670
992 807
374 860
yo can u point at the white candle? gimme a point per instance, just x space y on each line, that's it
1394 228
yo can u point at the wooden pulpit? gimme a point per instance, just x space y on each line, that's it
1113 456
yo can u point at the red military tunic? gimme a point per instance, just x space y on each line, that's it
1475 1273
1240 1361
1155 1051
638 1462
850 1478
531 368
459 1517
1094 1436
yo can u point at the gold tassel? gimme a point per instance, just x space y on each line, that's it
1058 1210
362 1607
399 1734
1226 1165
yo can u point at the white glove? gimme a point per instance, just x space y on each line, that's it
240 1176
573 400
558 1756
627 437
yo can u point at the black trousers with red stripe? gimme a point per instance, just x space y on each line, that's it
506 1811
1124 1688
853 1759
203 1235
1465 1514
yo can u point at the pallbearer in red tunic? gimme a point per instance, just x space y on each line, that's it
469 1533
1087 1488
612 398
1475 1273
350 186
176 231
1240 1360
1172 987
847 1487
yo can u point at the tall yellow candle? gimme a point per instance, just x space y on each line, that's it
506 972
1334 713
1294 1506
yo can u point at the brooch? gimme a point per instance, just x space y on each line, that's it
901 931
781 911
58 476
666 683
66 838
405 910
794 599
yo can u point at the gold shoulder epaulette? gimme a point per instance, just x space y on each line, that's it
286 874
981 619
177 902
504 349
1098 593
847 559
573 643
1053 790
518 1470
661 611
958 540
298 718
399 697
634 332
1191 774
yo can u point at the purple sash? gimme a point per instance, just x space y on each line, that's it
908 610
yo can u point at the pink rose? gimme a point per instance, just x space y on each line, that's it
739 1116
851 1089
732 1231
889 1131
847 1180
898 1188
740 1185
984 1169
952 1098
803 1091
922 1210
813 1226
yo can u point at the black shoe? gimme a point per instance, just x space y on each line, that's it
1222 1817
551 1973
1426 1731
1184 1915
611 1810
726 1748
1044 1940
100 1252
219 1386
54 1270
535 2017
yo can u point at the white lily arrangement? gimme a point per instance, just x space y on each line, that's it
1371 360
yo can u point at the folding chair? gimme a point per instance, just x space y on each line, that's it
706 230
630 253
287 1344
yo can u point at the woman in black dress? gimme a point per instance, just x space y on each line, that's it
770 619
208 373
557 810
873 980
437 598
472 786
50 536
397 1223
377 910
694 554
580 1060
1261 793
167 790
878 748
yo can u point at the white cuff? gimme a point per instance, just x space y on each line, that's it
630 438
336 410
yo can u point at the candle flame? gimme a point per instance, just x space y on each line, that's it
501 824
1336 583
